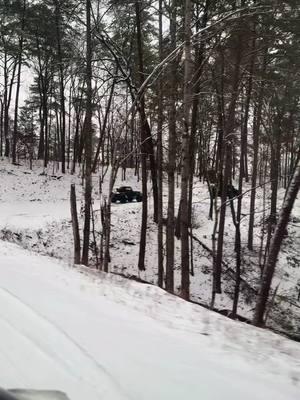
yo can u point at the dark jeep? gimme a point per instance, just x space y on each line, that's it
232 192
125 194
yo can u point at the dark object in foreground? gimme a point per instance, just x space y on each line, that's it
27 394
125 194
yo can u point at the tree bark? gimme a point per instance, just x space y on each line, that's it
160 253
256 130
229 127
143 141
276 242
8 84
20 55
185 170
88 139
103 127
75 225
236 222
275 162
194 120
170 228
1 126
58 18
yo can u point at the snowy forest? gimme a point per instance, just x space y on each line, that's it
161 140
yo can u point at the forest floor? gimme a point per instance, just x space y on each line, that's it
35 213
100 336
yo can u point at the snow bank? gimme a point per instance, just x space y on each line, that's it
102 337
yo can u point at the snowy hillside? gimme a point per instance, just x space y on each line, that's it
104 337
35 213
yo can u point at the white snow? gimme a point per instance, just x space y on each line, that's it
35 213
102 337
98 336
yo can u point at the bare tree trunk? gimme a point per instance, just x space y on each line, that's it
144 137
61 86
185 171
160 160
277 239
70 125
219 254
142 248
219 163
244 138
107 233
214 254
107 211
8 84
1 126
275 162
41 148
20 55
237 223
95 246
228 162
194 118
243 173
76 142
88 139
256 130
170 228
75 225
103 127
262 236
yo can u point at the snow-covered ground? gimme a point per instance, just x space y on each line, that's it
35 213
97 336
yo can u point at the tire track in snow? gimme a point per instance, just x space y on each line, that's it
67 340
4 354
52 357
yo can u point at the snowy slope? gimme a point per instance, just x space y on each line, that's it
102 337
35 213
